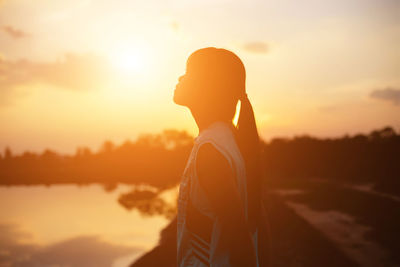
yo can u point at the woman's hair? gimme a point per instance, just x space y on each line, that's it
227 74
249 144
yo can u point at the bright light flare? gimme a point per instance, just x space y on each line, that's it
132 66
130 60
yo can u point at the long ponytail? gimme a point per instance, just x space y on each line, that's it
250 147
249 144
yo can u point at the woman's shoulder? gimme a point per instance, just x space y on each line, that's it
211 157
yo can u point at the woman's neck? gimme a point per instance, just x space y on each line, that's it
205 119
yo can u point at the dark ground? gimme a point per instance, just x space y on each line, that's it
363 223
294 241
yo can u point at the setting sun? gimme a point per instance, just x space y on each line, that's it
130 60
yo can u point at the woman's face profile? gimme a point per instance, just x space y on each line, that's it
188 88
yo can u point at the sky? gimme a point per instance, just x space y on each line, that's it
76 73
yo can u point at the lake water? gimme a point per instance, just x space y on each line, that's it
70 225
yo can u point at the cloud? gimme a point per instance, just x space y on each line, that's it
13 32
388 94
328 109
175 25
73 72
256 47
88 251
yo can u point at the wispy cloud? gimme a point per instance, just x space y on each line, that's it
77 72
14 32
328 109
72 72
256 47
175 25
387 94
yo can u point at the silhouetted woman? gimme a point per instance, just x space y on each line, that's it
220 220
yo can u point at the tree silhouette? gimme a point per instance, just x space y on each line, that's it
158 160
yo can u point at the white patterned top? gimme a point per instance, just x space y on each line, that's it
200 246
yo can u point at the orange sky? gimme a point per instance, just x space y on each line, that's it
76 73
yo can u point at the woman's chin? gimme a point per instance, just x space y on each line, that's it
177 99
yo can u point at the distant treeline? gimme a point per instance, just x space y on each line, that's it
158 160
372 158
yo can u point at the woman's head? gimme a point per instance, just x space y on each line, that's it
214 81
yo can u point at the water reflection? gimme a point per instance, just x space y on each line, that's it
151 202
67 225
17 250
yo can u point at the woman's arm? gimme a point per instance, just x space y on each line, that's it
216 178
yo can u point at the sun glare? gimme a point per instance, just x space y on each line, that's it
130 60
132 67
